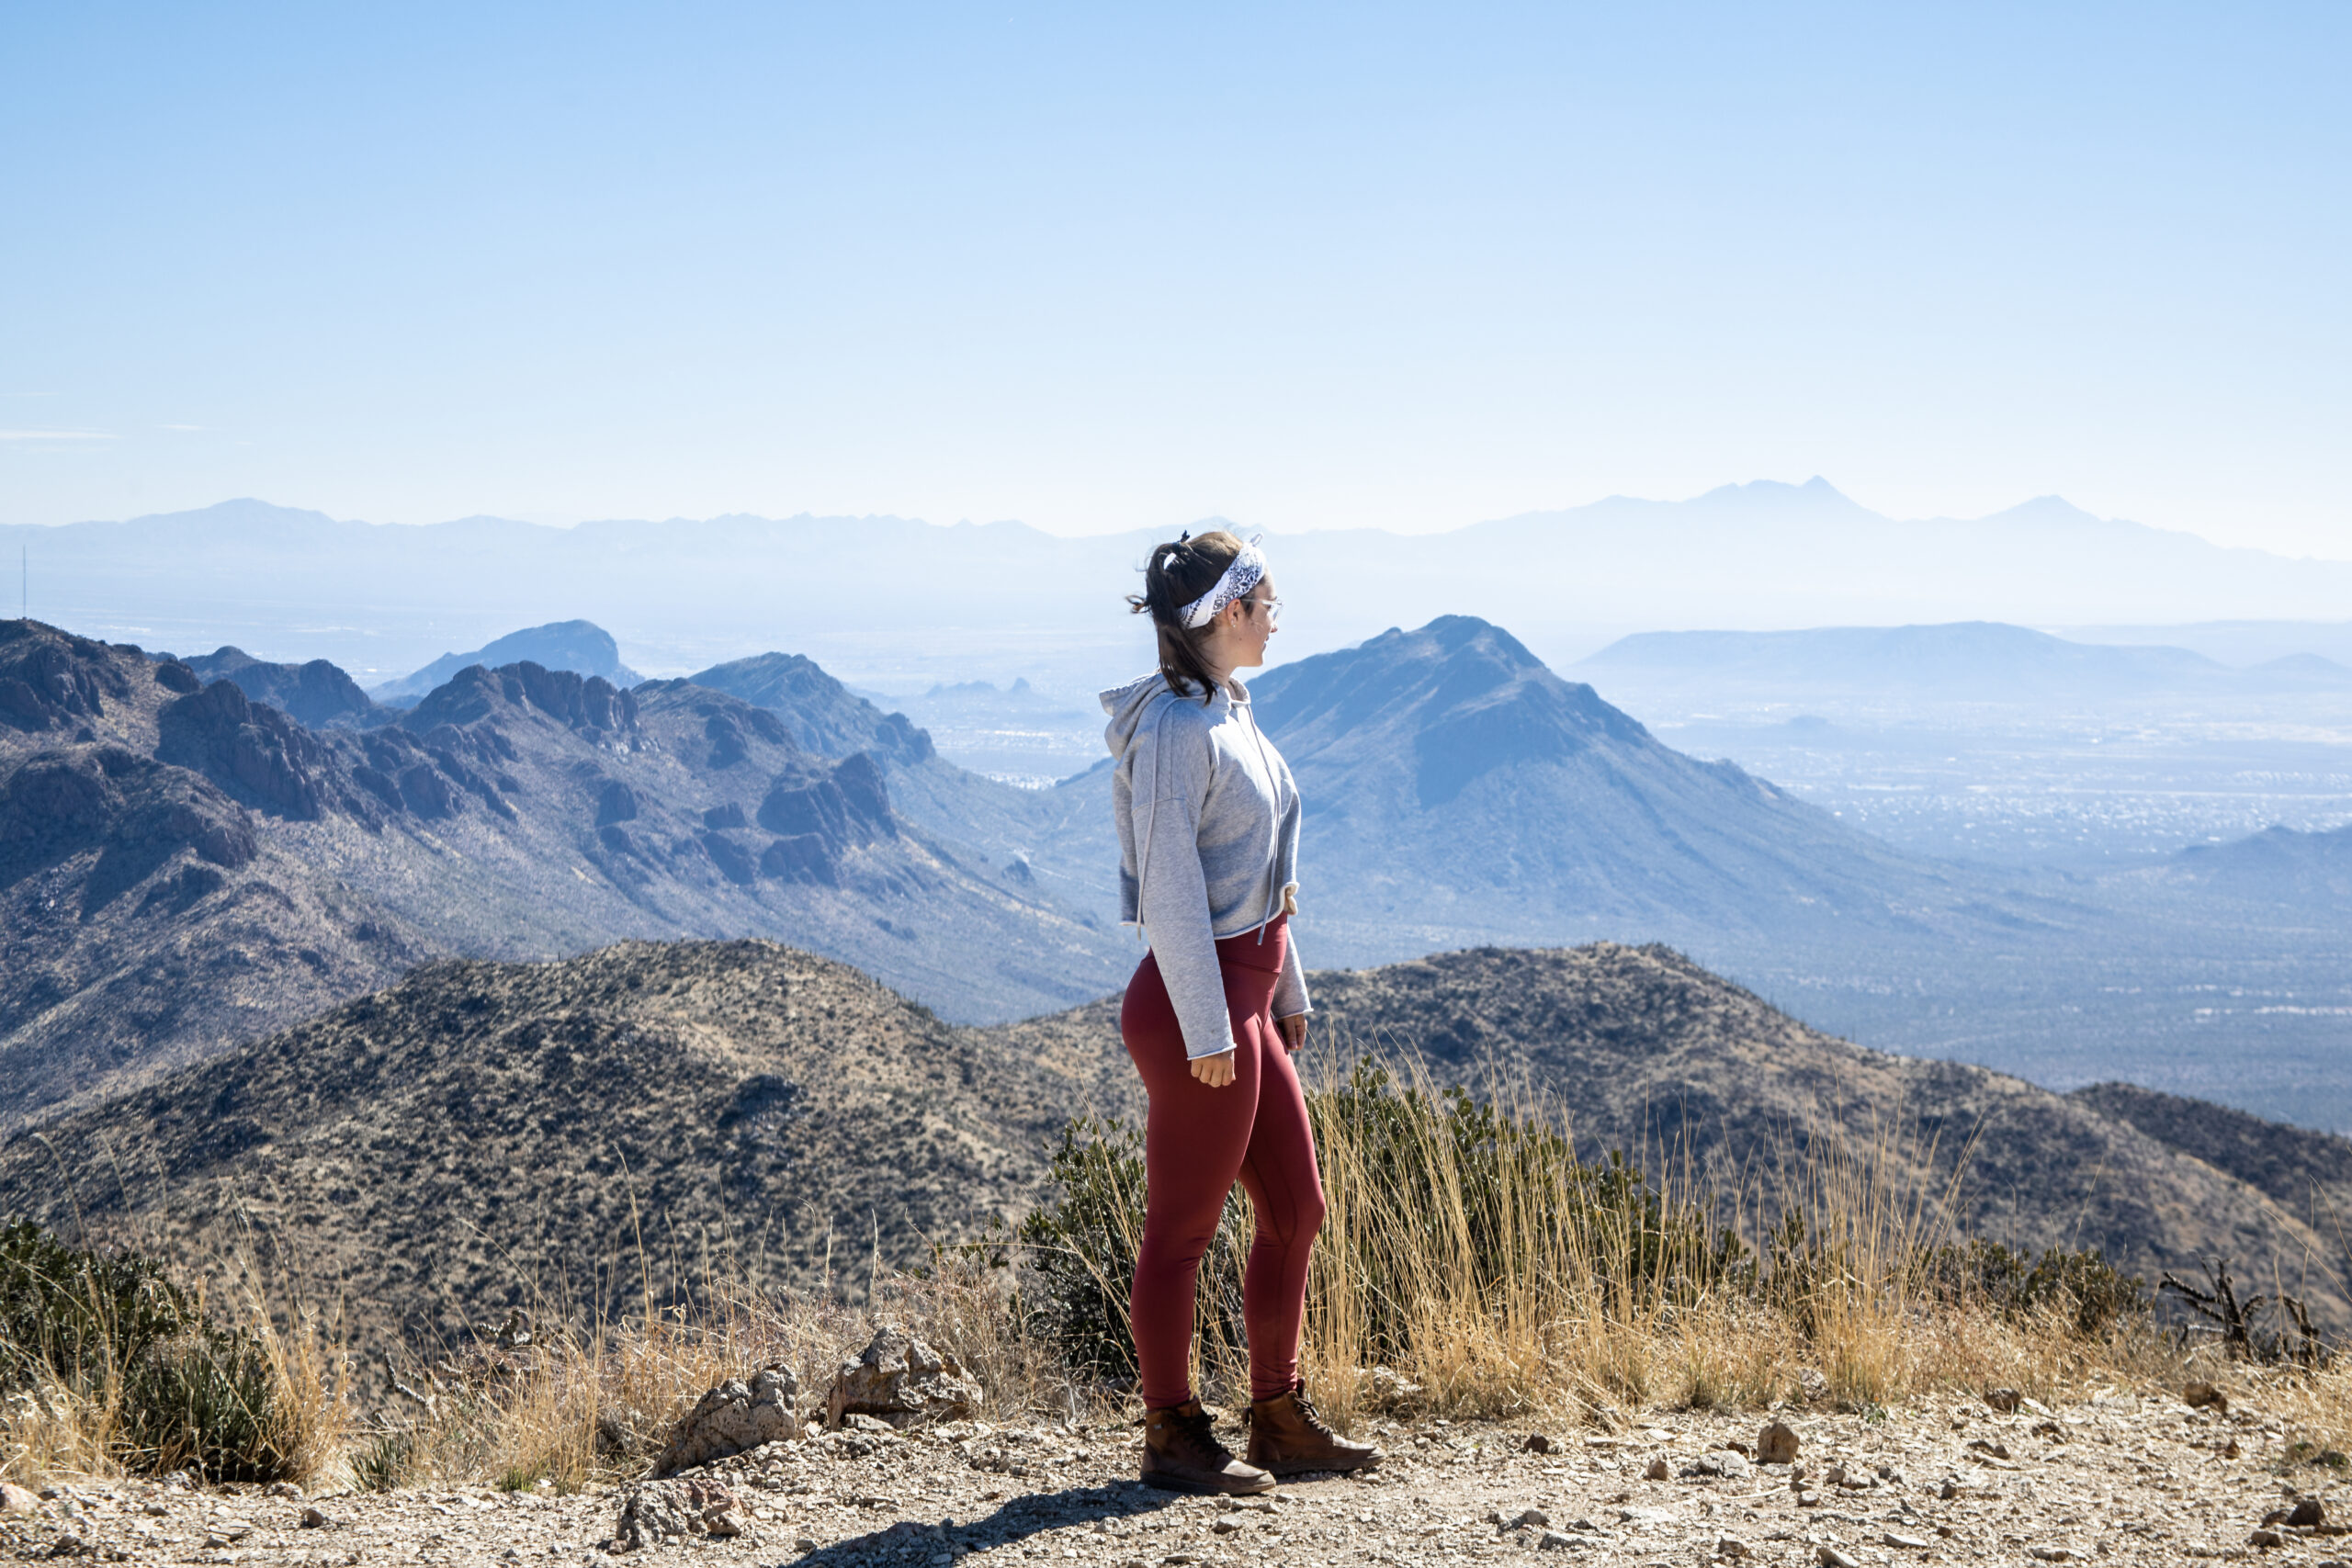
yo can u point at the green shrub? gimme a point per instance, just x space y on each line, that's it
1080 1246
2079 1284
116 1332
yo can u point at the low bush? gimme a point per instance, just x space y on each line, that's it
2078 1285
159 1386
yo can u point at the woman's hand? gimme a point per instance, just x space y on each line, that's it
1215 1071
1293 1030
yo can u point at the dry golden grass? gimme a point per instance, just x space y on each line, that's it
1500 1277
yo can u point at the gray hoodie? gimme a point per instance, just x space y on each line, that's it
1208 842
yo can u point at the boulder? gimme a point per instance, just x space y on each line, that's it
900 1380
662 1512
734 1418
1777 1444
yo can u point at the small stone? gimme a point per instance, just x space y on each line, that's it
1903 1542
2266 1537
314 1520
1730 1547
1525 1519
2004 1400
2230 1449
2198 1394
15 1499
1656 1470
1777 1444
2052 1553
1808 1499
1726 1464
1537 1443
2307 1514
1225 1526
1552 1541
1829 1556
284 1489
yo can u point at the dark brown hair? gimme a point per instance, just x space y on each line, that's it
1177 573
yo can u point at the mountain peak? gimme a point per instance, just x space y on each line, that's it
583 648
1460 694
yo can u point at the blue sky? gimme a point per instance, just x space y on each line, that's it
1114 267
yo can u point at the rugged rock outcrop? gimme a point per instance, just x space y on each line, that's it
52 680
900 1380
825 717
734 1418
254 752
316 694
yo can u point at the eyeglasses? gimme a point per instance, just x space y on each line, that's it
1273 608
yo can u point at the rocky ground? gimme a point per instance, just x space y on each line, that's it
2115 1480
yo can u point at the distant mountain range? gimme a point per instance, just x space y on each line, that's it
660 1116
1976 660
581 646
874 595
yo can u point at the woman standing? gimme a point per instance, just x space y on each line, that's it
1208 845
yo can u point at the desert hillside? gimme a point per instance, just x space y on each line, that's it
653 1116
484 1136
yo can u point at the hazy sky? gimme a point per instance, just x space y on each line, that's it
1113 265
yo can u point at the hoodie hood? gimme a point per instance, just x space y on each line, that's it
1130 704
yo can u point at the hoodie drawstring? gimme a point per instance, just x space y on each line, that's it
1274 844
1150 808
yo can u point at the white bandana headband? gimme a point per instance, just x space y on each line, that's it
1241 575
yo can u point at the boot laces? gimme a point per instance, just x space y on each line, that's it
1195 1430
1308 1416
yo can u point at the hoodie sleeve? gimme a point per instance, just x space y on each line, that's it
1290 991
1171 768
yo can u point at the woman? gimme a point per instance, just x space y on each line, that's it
1208 847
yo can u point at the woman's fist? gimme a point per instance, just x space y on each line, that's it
1215 1071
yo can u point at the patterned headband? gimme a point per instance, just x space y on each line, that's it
1241 575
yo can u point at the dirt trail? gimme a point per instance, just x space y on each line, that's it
2116 1480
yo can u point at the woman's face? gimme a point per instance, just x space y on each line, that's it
1244 628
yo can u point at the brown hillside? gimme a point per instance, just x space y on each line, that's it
485 1135
1642 1049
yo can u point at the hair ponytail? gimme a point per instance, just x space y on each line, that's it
1177 573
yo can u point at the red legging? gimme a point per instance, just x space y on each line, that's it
1197 1142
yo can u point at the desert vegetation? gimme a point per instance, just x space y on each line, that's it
1472 1266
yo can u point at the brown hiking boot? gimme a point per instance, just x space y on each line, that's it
1181 1455
1288 1437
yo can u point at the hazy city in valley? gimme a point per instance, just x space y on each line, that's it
619 615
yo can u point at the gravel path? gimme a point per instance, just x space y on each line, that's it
2115 1480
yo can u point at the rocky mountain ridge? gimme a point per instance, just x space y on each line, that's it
515 812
